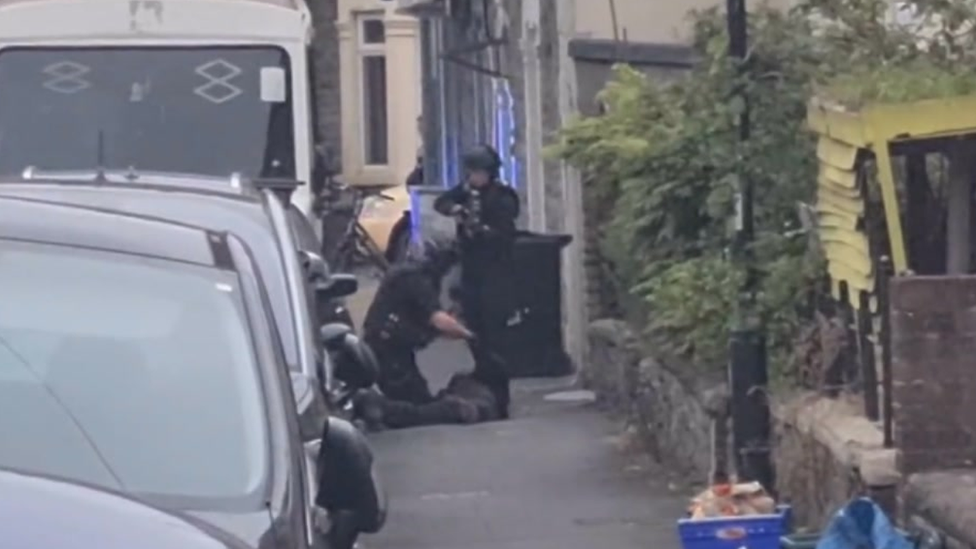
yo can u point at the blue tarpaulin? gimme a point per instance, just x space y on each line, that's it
861 524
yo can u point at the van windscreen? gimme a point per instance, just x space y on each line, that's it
202 110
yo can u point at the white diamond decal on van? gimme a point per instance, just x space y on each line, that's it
218 88
66 77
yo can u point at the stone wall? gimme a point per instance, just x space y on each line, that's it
826 452
940 504
670 414
933 328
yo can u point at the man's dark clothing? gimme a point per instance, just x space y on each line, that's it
486 253
464 400
397 325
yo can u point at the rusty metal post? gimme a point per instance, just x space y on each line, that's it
869 369
840 374
884 305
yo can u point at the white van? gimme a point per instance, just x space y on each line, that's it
212 87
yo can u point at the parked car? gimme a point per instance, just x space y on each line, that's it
273 231
142 356
42 511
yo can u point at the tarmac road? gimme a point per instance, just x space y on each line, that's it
553 477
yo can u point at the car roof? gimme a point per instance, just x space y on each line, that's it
51 222
231 185
287 4
41 511
167 199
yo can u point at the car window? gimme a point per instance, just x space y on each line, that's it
129 373
304 232
247 220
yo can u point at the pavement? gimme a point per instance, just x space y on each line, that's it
554 476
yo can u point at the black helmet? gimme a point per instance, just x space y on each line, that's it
438 254
483 157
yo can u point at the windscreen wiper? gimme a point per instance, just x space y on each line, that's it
100 158
57 399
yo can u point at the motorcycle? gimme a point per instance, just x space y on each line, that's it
353 501
331 289
354 366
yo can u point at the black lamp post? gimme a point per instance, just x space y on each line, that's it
748 377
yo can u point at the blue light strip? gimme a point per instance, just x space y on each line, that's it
415 236
452 175
504 130
502 137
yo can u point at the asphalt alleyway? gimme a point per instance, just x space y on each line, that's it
553 477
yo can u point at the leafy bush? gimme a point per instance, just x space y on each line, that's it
662 163
692 303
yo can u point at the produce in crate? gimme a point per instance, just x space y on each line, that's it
726 500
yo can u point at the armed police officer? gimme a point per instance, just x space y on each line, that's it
406 316
485 210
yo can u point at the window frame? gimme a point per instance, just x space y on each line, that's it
364 51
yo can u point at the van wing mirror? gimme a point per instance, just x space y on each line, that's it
314 266
336 286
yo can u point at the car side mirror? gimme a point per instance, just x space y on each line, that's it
313 412
336 286
333 334
314 266
348 485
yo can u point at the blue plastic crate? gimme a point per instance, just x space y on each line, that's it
752 532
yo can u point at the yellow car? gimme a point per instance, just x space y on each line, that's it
387 222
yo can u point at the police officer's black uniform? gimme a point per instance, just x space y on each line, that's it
486 234
397 323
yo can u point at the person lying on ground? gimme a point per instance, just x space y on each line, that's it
465 400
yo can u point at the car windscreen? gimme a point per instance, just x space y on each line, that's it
246 219
206 110
130 373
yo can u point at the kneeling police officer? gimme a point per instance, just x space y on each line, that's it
406 316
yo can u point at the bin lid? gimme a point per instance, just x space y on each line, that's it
530 238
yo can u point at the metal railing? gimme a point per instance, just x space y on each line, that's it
854 349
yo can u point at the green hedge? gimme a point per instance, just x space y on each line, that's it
662 162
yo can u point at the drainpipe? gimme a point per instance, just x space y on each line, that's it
535 185
574 279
